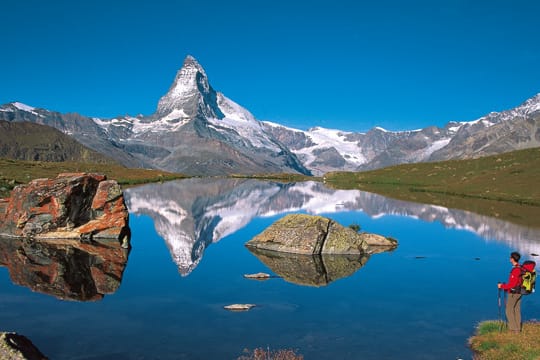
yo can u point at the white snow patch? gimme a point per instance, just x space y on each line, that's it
102 123
327 138
160 125
272 124
23 107
454 129
437 145
425 153
175 114
244 123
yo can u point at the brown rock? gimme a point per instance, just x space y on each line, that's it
258 276
307 234
74 206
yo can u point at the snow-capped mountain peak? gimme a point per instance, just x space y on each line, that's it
188 93
18 106
531 105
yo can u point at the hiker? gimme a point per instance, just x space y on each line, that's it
513 304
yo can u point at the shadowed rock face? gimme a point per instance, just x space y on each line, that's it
308 234
311 270
18 347
69 207
63 268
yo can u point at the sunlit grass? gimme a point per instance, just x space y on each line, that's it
503 186
490 343
13 172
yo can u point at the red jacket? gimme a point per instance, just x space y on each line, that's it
514 280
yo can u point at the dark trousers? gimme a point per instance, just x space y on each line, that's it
513 312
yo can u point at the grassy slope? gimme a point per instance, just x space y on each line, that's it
29 141
490 343
14 172
504 186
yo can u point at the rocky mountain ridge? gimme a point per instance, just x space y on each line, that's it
199 131
322 150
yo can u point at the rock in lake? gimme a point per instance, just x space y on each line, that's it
308 234
238 307
258 276
72 206
18 347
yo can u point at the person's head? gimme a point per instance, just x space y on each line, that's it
515 256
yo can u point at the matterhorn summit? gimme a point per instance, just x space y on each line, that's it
190 94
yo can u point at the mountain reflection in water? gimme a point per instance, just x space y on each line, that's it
193 213
65 269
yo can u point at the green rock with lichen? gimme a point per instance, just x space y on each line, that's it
309 234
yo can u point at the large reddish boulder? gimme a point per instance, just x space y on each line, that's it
72 206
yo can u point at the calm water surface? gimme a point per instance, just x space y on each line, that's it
421 301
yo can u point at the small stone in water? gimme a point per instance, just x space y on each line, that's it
239 307
259 276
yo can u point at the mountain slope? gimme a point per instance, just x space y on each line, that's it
324 150
30 141
495 133
81 128
197 130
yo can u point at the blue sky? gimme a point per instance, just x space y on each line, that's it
337 64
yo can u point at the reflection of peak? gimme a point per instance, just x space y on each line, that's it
191 214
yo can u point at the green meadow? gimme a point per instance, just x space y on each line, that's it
505 186
13 172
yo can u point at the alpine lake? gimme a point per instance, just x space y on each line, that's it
188 260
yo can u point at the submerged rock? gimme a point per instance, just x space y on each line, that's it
308 234
18 347
72 206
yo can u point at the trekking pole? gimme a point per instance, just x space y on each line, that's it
500 311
